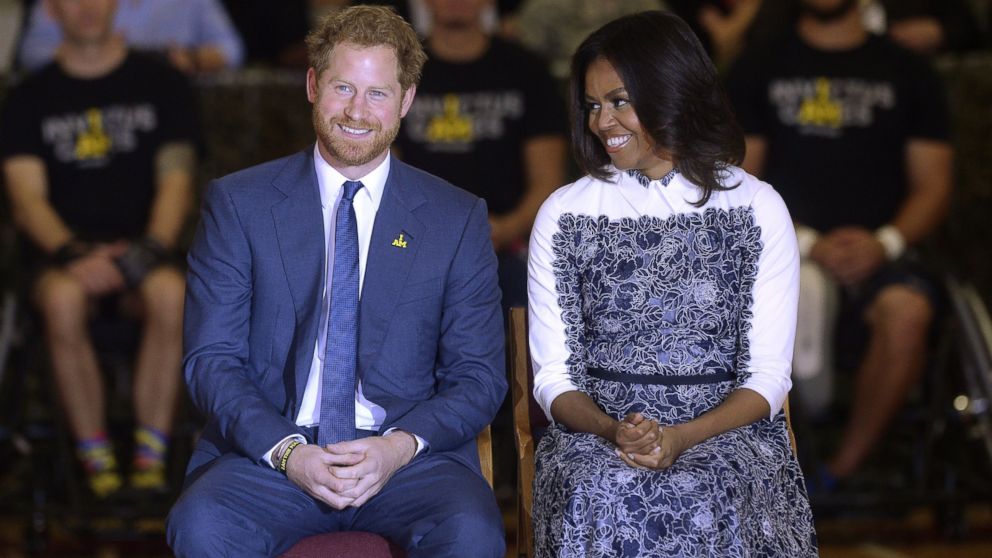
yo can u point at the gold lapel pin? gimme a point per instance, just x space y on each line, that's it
399 242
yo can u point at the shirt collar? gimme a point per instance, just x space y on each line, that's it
645 180
330 181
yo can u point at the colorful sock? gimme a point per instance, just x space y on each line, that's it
150 446
97 456
96 453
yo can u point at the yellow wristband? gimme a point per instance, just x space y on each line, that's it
285 455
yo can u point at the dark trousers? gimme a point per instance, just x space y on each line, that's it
433 507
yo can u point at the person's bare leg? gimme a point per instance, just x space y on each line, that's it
899 319
157 376
63 306
157 371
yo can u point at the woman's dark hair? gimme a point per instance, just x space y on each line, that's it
676 94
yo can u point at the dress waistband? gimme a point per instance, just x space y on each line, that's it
657 379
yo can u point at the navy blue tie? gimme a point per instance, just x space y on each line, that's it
337 400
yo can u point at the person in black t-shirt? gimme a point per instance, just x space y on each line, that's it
853 131
487 118
98 155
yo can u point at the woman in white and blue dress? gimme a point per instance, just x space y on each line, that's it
663 291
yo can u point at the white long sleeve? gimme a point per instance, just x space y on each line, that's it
767 328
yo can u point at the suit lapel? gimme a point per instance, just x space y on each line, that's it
299 229
388 265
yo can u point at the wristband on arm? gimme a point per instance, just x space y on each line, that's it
892 241
284 455
141 257
69 252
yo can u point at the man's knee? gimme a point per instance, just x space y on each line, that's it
239 508
62 302
469 525
901 310
185 528
162 293
475 533
194 527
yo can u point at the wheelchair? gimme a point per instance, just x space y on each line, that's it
41 481
937 453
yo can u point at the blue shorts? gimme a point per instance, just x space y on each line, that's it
852 331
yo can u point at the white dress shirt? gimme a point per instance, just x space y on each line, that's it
330 182
368 415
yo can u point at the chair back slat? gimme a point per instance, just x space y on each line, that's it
520 368
788 424
485 443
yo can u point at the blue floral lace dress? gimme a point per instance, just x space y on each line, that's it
649 304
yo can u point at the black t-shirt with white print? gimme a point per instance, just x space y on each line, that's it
469 121
836 125
98 139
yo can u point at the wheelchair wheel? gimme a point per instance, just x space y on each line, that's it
974 340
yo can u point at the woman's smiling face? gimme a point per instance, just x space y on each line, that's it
613 120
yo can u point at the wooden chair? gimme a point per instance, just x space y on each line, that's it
788 424
349 544
527 417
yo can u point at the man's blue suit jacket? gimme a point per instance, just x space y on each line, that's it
431 332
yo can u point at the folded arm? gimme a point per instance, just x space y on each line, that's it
92 265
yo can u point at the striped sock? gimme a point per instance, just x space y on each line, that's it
150 445
97 456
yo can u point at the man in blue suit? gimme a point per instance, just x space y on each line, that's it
342 330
